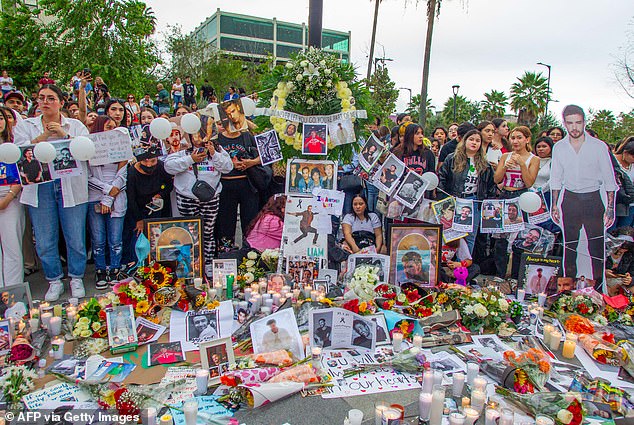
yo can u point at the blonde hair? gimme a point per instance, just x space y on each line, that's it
526 132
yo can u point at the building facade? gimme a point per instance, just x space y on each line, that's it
260 38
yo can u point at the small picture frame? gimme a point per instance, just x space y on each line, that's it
216 356
315 139
223 267
5 337
321 285
11 296
122 336
276 281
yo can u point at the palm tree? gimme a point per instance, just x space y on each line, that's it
413 108
376 16
603 122
529 96
494 105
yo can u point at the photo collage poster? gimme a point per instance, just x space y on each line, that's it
339 328
303 176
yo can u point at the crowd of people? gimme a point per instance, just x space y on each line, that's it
106 204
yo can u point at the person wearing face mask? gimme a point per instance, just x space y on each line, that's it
148 191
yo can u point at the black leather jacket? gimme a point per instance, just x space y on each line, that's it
453 183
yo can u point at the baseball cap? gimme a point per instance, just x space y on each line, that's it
14 93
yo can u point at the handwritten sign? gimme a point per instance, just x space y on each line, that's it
328 201
111 146
62 392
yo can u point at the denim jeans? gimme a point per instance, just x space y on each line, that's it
46 219
626 221
372 195
471 236
105 229
177 100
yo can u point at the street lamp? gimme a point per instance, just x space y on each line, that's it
455 89
548 88
410 93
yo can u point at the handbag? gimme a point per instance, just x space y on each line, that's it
363 238
201 189
350 183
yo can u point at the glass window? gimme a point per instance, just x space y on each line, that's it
334 41
211 29
289 34
246 46
246 27
286 51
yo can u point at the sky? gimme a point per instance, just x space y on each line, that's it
479 44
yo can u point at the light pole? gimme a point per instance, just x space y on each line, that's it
455 89
548 87
410 93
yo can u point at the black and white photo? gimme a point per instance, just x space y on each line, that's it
382 332
490 341
341 132
329 276
411 190
322 329
362 335
268 147
371 152
202 325
389 174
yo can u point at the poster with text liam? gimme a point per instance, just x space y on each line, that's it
583 189
305 229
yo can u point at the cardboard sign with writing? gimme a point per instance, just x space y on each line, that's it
111 146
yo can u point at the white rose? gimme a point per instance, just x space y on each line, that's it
476 295
310 101
248 277
299 77
289 65
327 71
252 255
250 263
303 63
322 62
504 305
564 416
480 310
468 309
251 269
493 298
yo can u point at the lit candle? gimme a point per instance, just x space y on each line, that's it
438 377
166 420
379 408
544 420
472 371
571 336
397 341
213 293
478 398
316 353
424 405
520 295
44 307
541 299
263 284
268 303
507 418
314 295
479 383
428 381
391 416
555 340
57 344
55 326
569 349
491 416
255 288
547 334
202 381
437 405
190 409
418 341
57 310
276 299
458 384
457 418
46 319
466 402
307 289
198 283
355 416
296 293
247 293
471 414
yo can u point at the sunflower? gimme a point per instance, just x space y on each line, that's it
160 277
142 307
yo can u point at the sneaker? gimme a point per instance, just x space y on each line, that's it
77 288
101 280
114 276
55 289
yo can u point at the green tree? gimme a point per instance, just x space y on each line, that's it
494 105
112 38
466 110
528 97
413 108
625 125
603 122
383 93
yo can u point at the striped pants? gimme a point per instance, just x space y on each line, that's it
208 211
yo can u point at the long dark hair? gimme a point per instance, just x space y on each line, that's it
100 123
366 213
407 148
7 134
124 119
274 206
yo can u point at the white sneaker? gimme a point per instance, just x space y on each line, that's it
55 289
77 288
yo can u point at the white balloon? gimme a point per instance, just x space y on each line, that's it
431 179
190 123
45 152
248 105
160 128
530 202
9 153
82 148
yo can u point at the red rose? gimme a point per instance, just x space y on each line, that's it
352 305
583 309
390 296
386 305
412 296
102 315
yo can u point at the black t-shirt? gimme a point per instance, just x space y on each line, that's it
141 188
449 147
189 90
421 163
241 147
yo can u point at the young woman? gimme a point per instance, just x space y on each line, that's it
265 231
210 161
177 92
487 130
440 134
544 150
116 110
362 228
101 95
133 108
63 201
147 115
625 156
499 144
181 110
435 149
413 151
556 133
107 206
466 174
452 131
11 216
619 265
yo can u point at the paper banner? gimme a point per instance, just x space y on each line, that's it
266 393
311 119
328 202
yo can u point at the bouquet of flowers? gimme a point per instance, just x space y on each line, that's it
585 302
21 351
364 307
361 285
483 309
409 361
564 408
16 382
251 268
578 324
92 317
532 369
270 257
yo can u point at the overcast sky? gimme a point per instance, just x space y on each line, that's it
480 44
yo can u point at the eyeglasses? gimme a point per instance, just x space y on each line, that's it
47 99
131 97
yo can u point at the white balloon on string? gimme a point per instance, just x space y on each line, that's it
82 148
190 123
45 152
9 153
160 128
530 202
431 179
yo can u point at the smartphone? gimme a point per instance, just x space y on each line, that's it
153 207
200 150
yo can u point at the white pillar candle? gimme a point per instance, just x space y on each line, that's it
255 288
190 409
296 293
263 284
34 324
472 371
46 319
547 333
458 384
247 293
57 344
471 414
397 341
569 349
478 399
198 283
428 381
202 381
268 303
355 416
507 417
379 408
571 336
307 289
424 405
480 383
491 416
533 315
265 310
55 326
437 405
544 420
541 299
276 299
148 416
555 340
520 295
266 296
418 341
213 293
457 418
438 377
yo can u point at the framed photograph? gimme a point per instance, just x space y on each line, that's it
276 281
382 331
121 326
31 170
329 275
277 331
5 337
268 147
314 139
216 356
202 325
165 353
320 285
491 216
414 253
341 132
371 152
232 115
223 267
389 174
304 175
411 190
540 274
179 240
375 260
17 298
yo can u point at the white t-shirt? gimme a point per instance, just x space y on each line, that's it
178 89
358 225
471 182
6 83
